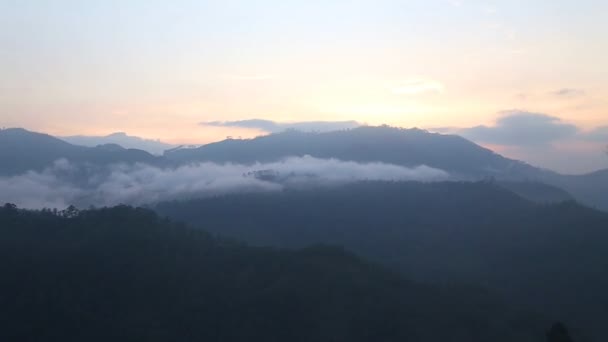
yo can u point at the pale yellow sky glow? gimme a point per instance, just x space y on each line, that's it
157 70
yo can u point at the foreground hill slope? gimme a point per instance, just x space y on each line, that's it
549 257
123 274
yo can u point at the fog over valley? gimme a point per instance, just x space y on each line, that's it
303 171
65 183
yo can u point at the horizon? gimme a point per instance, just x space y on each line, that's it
156 150
525 80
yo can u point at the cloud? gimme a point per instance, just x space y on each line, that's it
568 92
38 190
273 126
520 128
542 140
417 87
64 183
599 134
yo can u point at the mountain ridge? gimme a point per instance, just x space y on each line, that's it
25 151
463 159
460 157
152 146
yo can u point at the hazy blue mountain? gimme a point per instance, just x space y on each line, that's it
124 274
22 150
591 189
551 257
410 147
156 147
463 159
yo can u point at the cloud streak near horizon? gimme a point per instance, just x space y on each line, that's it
541 139
275 127
65 183
521 128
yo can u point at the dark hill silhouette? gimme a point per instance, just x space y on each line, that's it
123 274
549 257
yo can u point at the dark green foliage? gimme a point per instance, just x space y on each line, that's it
550 258
123 274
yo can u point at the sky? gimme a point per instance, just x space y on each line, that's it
158 69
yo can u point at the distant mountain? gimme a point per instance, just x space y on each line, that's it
409 147
460 157
156 147
124 274
549 257
22 150
537 192
463 159
591 189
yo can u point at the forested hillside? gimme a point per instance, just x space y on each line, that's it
123 274
551 258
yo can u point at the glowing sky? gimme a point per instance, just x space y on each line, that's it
158 68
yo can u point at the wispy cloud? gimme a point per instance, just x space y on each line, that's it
521 128
274 126
517 128
417 86
541 139
568 92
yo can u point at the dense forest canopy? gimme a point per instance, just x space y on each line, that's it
124 274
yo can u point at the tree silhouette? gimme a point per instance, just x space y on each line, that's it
70 212
10 207
558 333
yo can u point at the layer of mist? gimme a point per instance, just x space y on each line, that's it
82 185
